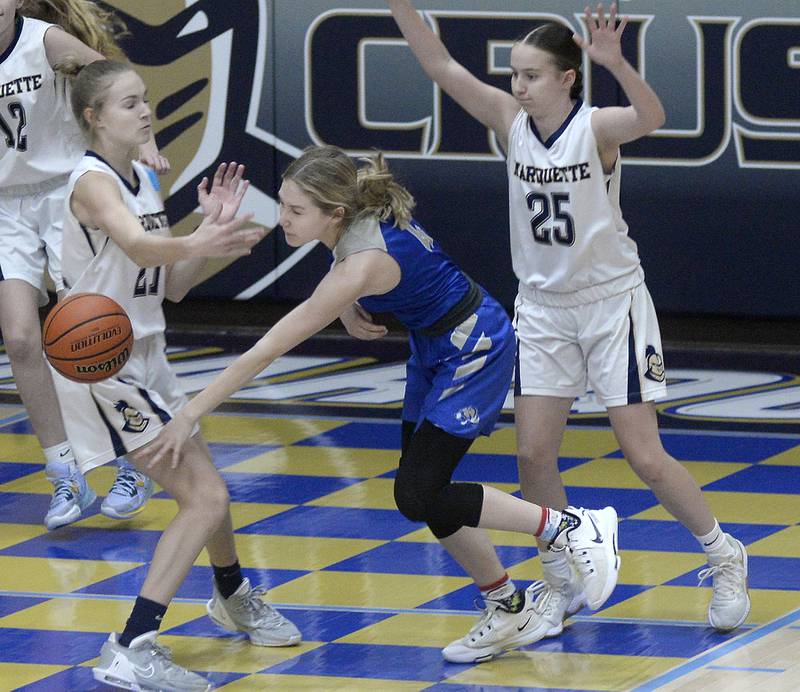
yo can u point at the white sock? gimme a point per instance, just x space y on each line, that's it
60 461
714 543
498 593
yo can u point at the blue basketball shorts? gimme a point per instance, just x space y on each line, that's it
459 381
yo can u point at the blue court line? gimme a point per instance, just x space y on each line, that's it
723 649
744 669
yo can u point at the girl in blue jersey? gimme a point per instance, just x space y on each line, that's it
42 145
458 376
583 312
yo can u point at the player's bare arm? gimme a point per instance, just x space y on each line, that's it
614 126
97 203
493 107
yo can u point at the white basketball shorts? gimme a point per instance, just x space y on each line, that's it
612 345
108 419
30 237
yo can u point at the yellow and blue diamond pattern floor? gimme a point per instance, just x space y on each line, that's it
375 596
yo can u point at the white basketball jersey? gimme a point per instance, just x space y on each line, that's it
91 262
567 231
39 138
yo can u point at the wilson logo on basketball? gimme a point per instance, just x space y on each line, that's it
109 366
94 339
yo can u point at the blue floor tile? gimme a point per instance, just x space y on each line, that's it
334 522
626 501
9 471
196 585
670 536
358 435
420 558
694 447
13 604
79 543
48 646
762 478
764 573
370 661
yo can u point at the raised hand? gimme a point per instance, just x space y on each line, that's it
227 191
603 47
214 238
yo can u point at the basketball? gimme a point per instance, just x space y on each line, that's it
87 337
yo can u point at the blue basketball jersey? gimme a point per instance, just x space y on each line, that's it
430 283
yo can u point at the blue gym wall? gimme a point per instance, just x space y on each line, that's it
710 198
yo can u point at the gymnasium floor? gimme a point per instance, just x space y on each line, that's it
309 452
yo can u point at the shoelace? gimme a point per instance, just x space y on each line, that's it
541 593
488 609
126 481
253 602
165 654
729 577
64 491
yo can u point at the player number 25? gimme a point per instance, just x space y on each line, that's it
548 210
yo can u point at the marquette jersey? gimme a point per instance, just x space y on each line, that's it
567 231
430 283
40 139
91 262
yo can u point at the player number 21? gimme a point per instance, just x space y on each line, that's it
549 210
145 287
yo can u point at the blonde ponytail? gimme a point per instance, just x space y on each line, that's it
380 194
85 20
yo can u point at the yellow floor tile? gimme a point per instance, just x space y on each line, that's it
54 575
508 538
16 675
412 629
373 493
21 448
571 671
93 614
229 654
588 443
501 441
11 534
159 512
294 552
743 508
321 461
651 568
617 473
784 543
365 589
791 457
691 604
263 431
318 682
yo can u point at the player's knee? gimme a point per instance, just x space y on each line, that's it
22 345
410 496
652 469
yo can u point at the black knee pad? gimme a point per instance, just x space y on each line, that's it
409 495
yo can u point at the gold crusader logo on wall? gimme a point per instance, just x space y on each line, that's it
204 66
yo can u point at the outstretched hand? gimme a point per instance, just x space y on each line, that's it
227 191
604 44
169 443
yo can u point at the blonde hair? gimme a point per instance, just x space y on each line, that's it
90 86
98 28
332 180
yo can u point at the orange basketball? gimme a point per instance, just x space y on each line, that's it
87 337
